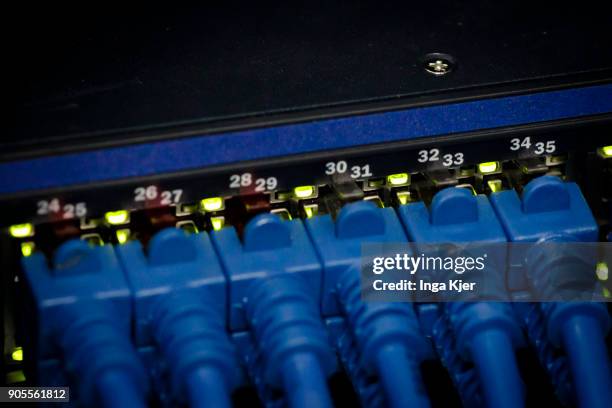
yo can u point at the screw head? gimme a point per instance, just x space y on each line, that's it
438 64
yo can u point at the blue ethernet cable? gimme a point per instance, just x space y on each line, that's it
179 301
274 283
554 363
435 322
370 393
387 335
486 333
551 210
83 309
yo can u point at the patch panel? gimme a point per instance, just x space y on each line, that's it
74 203
393 189
357 208
188 204
176 287
363 211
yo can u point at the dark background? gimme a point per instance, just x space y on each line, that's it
78 75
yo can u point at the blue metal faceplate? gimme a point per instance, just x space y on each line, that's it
216 149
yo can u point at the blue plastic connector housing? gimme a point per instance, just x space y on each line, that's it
456 215
339 243
548 207
84 310
466 221
551 210
270 247
486 333
180 303
387 335
274 286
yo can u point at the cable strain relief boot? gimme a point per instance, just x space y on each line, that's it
370 392
487 334
290 335
560 268
196 347
555 365
99 354
463 374
389 340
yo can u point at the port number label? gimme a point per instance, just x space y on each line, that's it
66 211
547 147
241 180
448 159
361 171
265 184
150 193
518 144
341 167
430 155
452 159
246 180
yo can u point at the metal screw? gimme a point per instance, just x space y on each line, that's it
438 64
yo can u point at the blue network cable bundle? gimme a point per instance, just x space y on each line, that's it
484 333
370 205
189 317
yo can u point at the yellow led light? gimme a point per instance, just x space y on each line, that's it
283 213
185 209
466 172
27 248
602 271
13 377
398 179
282 195
117 217
21 230
303 191
122 235
311 210
93 239
494 185
488 167
376 183
17 354
403 197
606 151
212 204
217 222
